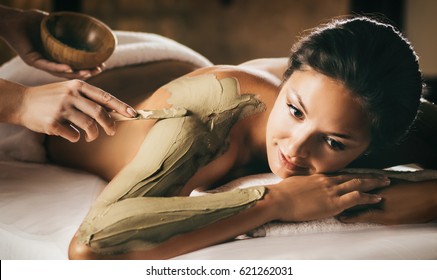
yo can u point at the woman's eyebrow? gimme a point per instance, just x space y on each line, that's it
299 100
341 135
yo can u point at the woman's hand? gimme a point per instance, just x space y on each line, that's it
21 31
304 198
403 203
63 108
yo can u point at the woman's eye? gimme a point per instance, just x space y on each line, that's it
295 112
333 144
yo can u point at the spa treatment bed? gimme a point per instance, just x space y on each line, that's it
42 205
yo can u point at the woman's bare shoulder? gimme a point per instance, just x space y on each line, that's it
245 75
250 81
273 66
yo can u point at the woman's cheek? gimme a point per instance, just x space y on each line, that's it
331 163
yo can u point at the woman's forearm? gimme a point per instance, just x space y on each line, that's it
220 231
144 223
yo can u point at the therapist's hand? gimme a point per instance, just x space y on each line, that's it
66 108
23 35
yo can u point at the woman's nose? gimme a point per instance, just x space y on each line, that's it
297 145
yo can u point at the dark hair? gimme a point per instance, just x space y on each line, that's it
375 62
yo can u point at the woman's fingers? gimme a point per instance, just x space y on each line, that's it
354 198
352 192
359 182
351 189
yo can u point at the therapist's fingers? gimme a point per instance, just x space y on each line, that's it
76 74
65 130
61 108
38 61
85 123
61 70
106 99
89 113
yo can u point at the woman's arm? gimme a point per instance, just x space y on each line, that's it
179 244
294 199
403 203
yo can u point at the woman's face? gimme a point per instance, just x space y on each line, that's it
316 126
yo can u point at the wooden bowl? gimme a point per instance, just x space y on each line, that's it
78 40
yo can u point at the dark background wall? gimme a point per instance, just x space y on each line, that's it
225 31
233 31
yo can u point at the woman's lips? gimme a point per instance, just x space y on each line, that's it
288 165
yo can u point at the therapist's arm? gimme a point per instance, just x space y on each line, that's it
63 109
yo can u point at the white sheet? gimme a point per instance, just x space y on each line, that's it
409 242
42 205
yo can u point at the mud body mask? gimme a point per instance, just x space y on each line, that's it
139 209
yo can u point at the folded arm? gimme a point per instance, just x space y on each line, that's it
404 201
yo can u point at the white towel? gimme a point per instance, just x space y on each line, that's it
132 48
20 144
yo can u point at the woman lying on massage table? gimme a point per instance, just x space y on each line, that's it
350 93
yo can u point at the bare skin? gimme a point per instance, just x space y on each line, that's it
297 198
